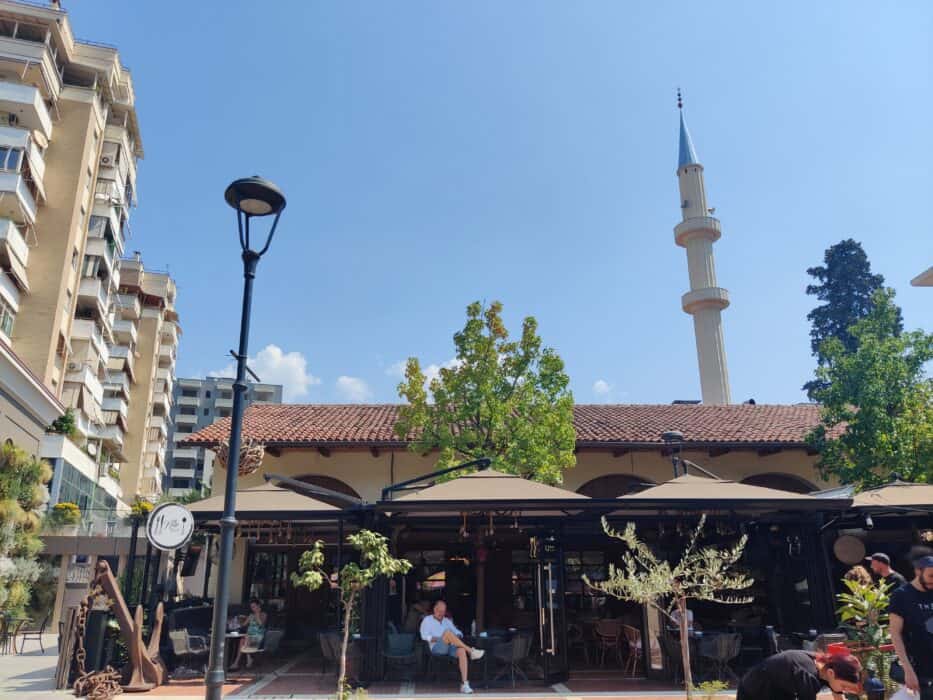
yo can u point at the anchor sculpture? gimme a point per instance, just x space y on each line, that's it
145 669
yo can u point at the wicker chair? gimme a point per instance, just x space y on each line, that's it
635 648
401 654
609 638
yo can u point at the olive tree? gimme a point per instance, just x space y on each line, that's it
703 573
352 579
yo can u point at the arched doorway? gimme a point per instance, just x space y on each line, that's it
780 481
330 483
614 485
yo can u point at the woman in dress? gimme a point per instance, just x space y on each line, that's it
255 631
801 675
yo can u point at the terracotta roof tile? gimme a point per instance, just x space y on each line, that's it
596 424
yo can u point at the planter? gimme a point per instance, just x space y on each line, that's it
67 530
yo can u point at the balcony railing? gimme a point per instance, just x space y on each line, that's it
15 184
109 191
25 101
94 289
167 376
186 419
118 381
115 403
129 305
125 330
12 236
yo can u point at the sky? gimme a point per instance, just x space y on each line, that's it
437 153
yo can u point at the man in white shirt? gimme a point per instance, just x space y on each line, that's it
443 639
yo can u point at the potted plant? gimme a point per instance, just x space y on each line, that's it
863 614
65 518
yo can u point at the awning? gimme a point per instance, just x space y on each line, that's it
702 493
487 490
266 502
896 495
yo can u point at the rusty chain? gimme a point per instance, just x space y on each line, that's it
97 685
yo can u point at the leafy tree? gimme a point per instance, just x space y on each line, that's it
352 580
505 400
877 402
703 573
22 496
847 286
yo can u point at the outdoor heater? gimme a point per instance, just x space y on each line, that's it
251 197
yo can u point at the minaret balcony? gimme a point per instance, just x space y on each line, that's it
707 298
697 227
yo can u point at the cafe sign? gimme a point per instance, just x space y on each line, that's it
169 526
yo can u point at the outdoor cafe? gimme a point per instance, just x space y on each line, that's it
509 557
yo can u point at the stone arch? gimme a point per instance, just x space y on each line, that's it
614 485
780 481
330 483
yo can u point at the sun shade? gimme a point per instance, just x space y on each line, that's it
490 485
267 501
900 494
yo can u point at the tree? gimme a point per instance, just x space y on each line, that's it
352 580
505 400
877 402
22 496
703 573
847 286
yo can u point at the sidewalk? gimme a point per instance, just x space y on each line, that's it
30 675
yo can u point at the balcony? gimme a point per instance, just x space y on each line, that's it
186 419
86 329
27 104
129 306
104 249
113 436
20 206
81 374
9 292
116 404
223 403
188 400
14 251
118 381
170 333
166 376
167 352
122 359
124 330
182 473
159 423
162 401
93 291
185 453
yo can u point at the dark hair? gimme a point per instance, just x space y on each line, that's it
255 600
845 666
439 600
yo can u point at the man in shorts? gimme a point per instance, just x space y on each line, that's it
444 639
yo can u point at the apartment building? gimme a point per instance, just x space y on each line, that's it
196 404
95 342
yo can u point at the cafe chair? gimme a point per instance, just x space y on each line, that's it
576 639
511 655
267 645
634 649
718 650
824 640
609 639
32 632
670 648
188 646
438 666
401 654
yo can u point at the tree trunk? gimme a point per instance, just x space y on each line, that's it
342 678
685 646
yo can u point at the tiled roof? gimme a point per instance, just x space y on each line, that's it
597 425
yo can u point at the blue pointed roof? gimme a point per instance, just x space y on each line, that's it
688 154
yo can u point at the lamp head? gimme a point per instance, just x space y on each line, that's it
672 436
255 196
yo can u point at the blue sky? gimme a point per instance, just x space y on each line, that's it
434 153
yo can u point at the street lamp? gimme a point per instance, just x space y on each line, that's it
251 197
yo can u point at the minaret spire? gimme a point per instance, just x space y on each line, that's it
705 301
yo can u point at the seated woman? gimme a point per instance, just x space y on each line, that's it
255 631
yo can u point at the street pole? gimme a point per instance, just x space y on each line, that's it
215 673
251 197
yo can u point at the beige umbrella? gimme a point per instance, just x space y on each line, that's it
265 502
898 494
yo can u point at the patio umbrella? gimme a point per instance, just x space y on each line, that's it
265 502
698 492
896 495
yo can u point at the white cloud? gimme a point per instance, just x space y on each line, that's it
274 366
601 387
396 369
353 390
432 372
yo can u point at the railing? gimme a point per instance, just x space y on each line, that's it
108 190
13 235
118 380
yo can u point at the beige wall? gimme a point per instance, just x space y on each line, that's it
19 427
368 474
147 348
42 311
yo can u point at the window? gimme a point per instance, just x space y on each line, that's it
91 266
7 316
10 158
207 394
207 411
74 259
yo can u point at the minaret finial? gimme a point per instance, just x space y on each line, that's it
680 99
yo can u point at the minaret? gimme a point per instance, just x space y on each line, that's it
705 301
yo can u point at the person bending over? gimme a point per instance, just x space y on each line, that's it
800 675
444 639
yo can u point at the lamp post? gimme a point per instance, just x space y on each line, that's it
251 197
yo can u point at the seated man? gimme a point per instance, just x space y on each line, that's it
443 639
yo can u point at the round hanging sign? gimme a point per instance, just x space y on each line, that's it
169 526
849 549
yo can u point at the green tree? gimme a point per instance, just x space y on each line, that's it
22 496
353 578
502 399
703 573
877 402
846 285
